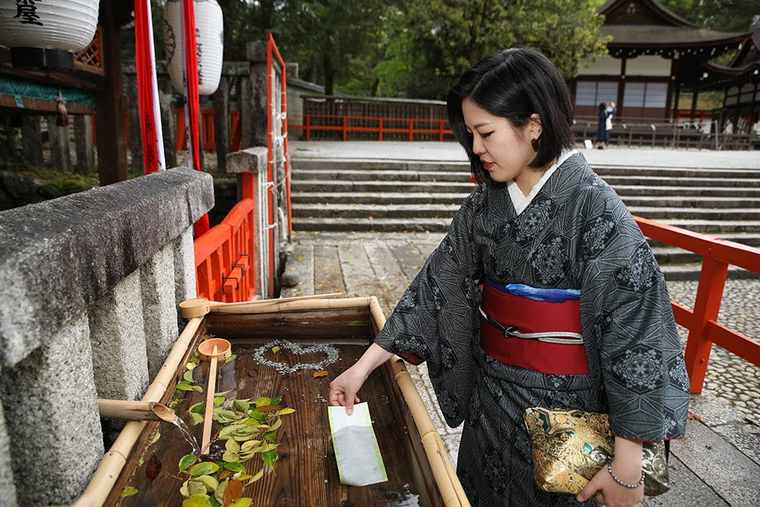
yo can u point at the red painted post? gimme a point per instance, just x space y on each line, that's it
440 130
381 133
345 127
308 127
411 129
712 280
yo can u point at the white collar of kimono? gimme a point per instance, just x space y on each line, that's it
521 201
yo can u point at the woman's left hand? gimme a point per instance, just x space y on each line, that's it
611 494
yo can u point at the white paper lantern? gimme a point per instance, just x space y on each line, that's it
49 24
209 36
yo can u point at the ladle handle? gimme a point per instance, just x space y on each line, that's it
207 418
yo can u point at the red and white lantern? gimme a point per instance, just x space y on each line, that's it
48 24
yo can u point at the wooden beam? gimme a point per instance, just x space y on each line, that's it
112 148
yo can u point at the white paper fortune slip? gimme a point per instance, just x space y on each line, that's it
356 450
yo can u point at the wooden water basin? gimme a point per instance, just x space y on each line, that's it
418 467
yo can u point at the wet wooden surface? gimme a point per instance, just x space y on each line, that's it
306 473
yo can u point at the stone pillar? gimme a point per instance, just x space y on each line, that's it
118 342
7 487
52 418
184 267
169 128
257 57
159 307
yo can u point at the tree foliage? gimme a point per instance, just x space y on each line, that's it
726 15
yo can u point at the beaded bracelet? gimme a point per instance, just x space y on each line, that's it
624 484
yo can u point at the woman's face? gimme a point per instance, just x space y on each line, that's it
504 150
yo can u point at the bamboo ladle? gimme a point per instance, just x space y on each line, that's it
212 349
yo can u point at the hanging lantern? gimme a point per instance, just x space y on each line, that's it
48 24
209 36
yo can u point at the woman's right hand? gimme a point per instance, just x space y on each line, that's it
344 388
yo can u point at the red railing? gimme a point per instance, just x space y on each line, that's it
225 256
346 124
701 321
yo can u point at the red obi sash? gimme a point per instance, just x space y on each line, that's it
536 335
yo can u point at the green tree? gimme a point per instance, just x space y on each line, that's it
327 36
726 15
445 37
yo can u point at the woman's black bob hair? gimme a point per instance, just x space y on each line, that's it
514 84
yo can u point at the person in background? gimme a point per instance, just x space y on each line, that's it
601 126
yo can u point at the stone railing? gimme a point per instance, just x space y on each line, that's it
88 290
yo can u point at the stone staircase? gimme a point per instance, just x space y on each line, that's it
396 195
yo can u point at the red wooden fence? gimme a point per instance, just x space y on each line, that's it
225 257
702 320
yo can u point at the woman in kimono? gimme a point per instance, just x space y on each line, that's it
540 230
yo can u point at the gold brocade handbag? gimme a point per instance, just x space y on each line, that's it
571 446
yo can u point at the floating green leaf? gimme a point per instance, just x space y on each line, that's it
215 502
230 359
191 365
197 408
184 386
258 475
286 411
188 376
257 415
186 461
234 466
196 487
276 400
196 418
231 456
219 494
242 502
205 468
232 445
270 458
210 482
276 349
242 405
197 501
263 401
155 438
218 400
129 491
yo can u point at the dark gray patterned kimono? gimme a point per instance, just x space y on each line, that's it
577 234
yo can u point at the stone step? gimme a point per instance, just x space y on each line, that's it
680 182
377 187
457 198
414 210
707 191
375 198
691 271
351 175
306 164
720 228
614 180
